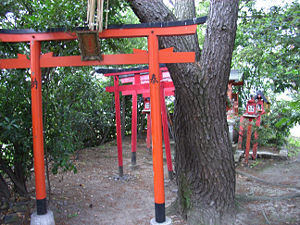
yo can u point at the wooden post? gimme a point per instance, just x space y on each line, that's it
249 131
118 124
157 152
166 134
37 127
257 124
133 128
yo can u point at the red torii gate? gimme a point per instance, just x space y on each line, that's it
153 57
139 80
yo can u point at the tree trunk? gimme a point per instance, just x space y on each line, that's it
19 185
203 157
4 190
19 169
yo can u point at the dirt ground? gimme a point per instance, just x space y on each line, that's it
95 195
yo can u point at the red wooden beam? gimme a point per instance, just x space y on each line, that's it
136 87
146 93
110 33
48 60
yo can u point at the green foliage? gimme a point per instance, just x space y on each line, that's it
293 108
267 47
267 51
78 113
293 146
256 163
271 133
15 124
185 194
202 9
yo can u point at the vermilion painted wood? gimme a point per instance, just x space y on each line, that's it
21 62
48 60
257 124
132 72
118 125
110 33
136 87
37 120
107 60
144 79
134 90
134 117
168 92
157 152
249 131
166 131
146 93
134 124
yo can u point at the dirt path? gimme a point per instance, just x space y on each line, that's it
96 196
274 209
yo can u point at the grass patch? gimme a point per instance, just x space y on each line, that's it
256 163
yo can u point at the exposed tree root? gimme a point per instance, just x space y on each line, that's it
243 197
173 208
266 182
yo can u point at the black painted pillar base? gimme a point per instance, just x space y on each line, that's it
133 158
41 206
121 171
160 213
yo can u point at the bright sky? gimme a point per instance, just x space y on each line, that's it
268 3
259 3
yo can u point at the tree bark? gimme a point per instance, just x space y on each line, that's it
4 190
20 186
204 161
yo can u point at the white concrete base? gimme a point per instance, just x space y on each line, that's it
47 219
167 222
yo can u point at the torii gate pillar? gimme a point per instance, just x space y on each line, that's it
42 215
157 152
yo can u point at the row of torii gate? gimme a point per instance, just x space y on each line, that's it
153 57
136 82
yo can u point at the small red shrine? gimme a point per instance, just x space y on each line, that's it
254 111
